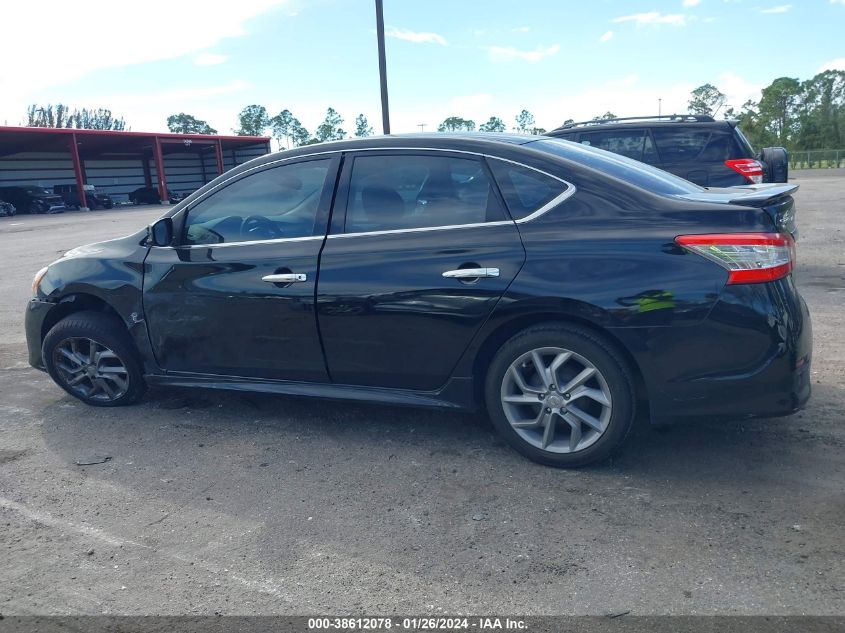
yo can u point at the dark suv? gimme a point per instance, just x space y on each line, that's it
32 199
699 148
552 285
94 198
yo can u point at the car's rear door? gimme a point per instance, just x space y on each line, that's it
420 250
235 295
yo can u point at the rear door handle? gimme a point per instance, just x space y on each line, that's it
284 278
471 273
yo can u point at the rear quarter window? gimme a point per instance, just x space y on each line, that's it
676 145
525 190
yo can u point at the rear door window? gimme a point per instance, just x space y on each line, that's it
407 191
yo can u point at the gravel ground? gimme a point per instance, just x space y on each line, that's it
248 504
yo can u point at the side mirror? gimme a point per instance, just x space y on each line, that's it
160 233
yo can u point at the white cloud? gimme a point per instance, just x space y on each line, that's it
842 2
691 3
606 37
209 23
737 90
526 29
55 61
147 111
783 8
471 103
833 64
653 18
210 59
415 36
508 53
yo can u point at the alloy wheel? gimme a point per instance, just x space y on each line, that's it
90 369
556 400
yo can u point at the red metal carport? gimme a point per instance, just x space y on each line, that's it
88 144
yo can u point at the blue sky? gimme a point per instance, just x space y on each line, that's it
558 59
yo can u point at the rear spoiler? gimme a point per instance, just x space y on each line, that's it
762 195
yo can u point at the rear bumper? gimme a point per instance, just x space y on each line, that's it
750 357
36 313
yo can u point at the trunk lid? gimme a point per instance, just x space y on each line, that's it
774 198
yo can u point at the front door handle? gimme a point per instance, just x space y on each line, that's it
471 273
284 278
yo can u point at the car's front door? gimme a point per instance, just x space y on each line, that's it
235 295
420 250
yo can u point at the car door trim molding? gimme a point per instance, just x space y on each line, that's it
568 192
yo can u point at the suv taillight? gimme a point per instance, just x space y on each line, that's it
748 167
750 258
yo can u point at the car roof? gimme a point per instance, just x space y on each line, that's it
599 126
474 142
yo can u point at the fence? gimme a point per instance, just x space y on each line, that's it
817 159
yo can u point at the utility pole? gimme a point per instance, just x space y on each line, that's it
422 127
659 107
382 67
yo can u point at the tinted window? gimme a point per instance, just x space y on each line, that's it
675 145
276 203
525 190
720 147
402 192
639 174
628 143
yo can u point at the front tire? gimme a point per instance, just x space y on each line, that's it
561 395
90 355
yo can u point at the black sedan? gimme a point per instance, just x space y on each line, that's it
561 288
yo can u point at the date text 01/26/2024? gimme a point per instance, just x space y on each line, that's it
416 624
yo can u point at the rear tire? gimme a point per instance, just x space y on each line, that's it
90 355
577 411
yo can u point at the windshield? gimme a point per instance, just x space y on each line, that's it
632 171
38 190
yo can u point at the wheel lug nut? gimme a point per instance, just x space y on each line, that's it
548 410
552 387
566 396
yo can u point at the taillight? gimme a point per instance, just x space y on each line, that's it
748 167
750 258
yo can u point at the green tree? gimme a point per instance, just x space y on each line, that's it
61 116
456 124
524 122
568 121
706 99
362 126
298 134
283 125
253 121
329 129
821 112
99 119
186 124
538 131
47 116
607 116
778 108
494 124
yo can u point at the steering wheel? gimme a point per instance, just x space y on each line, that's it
258 227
